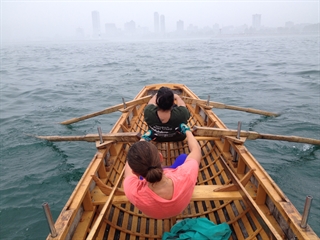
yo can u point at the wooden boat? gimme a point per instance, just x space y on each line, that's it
232 186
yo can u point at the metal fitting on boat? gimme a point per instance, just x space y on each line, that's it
239 130
47 212
124 103
100 134
124 107
306 212
206 116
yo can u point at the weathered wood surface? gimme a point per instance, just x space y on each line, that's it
116 137
200 193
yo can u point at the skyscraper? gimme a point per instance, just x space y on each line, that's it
111 29
130 27
156 22
256 21
162 24
96 24
180 26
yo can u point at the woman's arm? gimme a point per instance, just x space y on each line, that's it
153 100
194 147
179 101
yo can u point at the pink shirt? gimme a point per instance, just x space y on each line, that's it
184 179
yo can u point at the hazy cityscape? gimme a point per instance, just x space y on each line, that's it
155 19
133 30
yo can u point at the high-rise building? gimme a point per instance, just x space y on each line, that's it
162 24
80 33
289 24
130 27
96 24
156 22
256 21
180 26
111 29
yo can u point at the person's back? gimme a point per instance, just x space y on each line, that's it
162 193
164 113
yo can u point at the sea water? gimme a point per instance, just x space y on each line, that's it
44 83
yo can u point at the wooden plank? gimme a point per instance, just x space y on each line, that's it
126 224
105 188
200 193
232 216
66 219
293 218
83 226
106 205
266 224
115 137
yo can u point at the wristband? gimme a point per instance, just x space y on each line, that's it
147 136
184 128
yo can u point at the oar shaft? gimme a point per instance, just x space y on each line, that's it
224 106
118 137
289 138
215 132
108 110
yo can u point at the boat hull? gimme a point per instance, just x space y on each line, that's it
232 186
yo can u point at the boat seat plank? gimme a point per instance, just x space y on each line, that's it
200 193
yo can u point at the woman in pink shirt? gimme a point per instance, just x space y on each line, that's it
162 193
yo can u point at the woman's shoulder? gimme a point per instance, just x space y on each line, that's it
190 165
151 107
180 109
180 113
150 111
134 181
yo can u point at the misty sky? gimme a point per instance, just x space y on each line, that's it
29 19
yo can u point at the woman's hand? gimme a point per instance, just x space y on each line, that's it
184 128
148 136
178 100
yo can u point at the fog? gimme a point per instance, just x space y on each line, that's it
21 20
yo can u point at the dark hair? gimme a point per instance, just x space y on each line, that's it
165 98
143 158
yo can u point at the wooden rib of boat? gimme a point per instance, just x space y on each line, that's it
232 186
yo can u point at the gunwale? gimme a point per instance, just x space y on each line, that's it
232 187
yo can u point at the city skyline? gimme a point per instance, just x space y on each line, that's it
47 19
159 30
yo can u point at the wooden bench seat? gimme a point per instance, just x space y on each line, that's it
200 193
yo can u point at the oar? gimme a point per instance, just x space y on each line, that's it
224 106
108 110
215 132
117 137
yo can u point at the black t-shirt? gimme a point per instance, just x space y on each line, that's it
166 132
